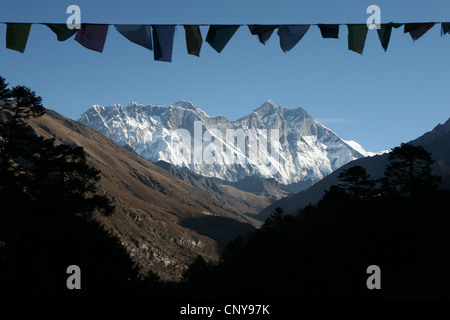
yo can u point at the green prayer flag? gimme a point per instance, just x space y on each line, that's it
17 36
62 32
357 34
219 35
193 39
384 33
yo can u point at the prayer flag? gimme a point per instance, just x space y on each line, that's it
263 31
17 36
290 35
139 34
92 36
62 32
219 35
329 31
384 33
445 28
193 39
163 42
417 30
357 34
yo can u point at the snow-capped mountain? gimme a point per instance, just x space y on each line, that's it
291 146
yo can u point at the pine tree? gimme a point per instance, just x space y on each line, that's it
275 218
48 198
356 182
4 91
409 172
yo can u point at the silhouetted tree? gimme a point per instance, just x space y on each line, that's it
16 141
26 103
356 182
196 269
409 172
14 132
4 91
63 178
325 251
48 198
196 279
335 195
274 219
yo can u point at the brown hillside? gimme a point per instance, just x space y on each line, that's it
163 221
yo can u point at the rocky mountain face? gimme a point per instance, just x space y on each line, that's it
248 202
437 142
283 144
164 222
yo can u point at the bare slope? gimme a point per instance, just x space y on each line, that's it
238 200
164 222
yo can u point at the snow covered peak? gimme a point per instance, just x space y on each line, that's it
186 105
307 150
97 107
134 105
355 145
269 103
268 106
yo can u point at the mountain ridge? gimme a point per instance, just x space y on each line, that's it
305 151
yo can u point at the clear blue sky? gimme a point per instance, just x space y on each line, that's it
378 99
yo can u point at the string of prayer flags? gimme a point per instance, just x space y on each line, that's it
62 32
163 42
92 36
329 31
357 34
160 38
445 28
290 35
416 30
219 35
384 33
17 36
193 39
264 32
139 34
